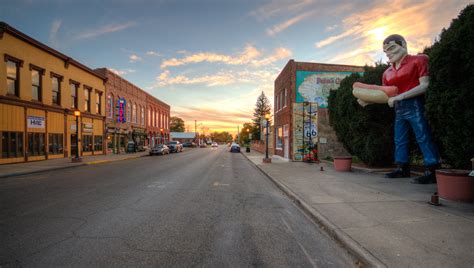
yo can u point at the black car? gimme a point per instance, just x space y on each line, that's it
235 148
189 144
175 146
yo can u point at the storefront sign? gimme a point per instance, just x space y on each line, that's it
121 104
315 86
35 122
87 127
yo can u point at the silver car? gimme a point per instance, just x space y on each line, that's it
160 149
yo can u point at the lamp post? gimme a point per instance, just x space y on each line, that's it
77 114
247 149
266 159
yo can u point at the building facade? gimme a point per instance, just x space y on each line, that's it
125 113
40 88
158 121
301 118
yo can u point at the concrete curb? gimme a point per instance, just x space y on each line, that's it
372 170
354 248
67 167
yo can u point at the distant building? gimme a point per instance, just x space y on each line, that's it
125 112
40 90
300 95
183 136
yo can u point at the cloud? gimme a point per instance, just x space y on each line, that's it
153 53
250 55
278 7
105 30
53 32
134 58
121 72
284 25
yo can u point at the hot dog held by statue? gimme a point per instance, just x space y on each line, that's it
367 94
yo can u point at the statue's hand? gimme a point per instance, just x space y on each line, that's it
362 103
391 101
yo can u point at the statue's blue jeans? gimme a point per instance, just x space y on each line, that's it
410 112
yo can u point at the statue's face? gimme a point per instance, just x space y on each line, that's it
394 52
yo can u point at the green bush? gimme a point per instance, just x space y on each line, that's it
366 132
450 97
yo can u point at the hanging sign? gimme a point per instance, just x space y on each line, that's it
121 110
87 127
35 122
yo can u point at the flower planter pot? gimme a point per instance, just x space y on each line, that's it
343 163
455 184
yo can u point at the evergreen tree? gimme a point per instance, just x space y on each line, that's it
262 107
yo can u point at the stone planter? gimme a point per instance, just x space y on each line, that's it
455 184
342 163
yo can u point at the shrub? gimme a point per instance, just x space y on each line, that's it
366 132
450 97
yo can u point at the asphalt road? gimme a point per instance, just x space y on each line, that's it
201 207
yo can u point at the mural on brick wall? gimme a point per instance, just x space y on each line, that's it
315 86
305 128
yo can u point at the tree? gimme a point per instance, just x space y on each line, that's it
450 96
244 135
176 124
262 107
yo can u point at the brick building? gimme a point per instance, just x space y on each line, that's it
40 89
125 113
300 95
158 121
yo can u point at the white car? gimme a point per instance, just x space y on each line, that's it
214 144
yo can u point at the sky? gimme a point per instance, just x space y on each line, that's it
211 59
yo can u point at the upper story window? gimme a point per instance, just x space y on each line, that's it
285 103
134 113
36 83
110 106
87 99
98 102
13 75
56 89
12 78
143 116
73 88
281 100
128 112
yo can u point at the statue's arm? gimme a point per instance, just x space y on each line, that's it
414 92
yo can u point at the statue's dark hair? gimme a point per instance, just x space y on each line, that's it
398 39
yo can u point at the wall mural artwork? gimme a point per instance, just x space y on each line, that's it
305 135
315 86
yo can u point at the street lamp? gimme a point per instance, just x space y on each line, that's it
266 159
161 135
247 149
77 114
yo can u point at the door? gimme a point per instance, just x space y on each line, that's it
73 145
286 151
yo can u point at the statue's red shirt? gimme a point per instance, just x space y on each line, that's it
409 73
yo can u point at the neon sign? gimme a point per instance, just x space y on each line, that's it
121 110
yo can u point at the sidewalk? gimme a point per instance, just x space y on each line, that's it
61 163
382 222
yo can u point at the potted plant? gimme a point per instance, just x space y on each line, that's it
343 163
456 184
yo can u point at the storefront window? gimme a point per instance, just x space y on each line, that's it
55 143
97 143
86 143
12 144
36 144
279 138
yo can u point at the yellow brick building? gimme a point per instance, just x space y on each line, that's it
40 88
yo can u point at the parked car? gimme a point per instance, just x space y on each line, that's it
175 146
235 148
189 144
202 145
160 149
214 144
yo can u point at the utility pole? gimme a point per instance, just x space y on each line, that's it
195 133
238 134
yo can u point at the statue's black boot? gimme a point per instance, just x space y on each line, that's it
402 171
428 177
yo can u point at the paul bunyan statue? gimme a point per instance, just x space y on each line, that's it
404 84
